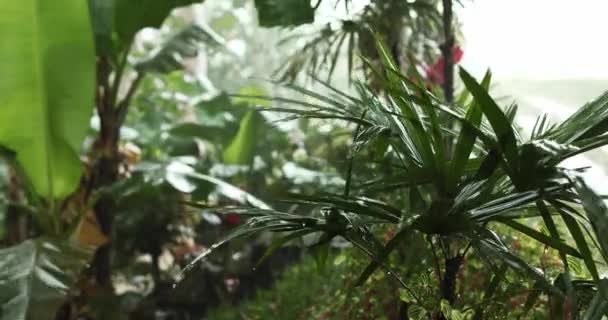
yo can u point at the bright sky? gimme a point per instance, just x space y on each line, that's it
540 39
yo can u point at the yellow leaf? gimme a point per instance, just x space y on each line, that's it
89 233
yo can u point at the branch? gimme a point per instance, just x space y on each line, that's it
123 106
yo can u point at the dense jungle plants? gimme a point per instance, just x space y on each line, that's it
461 174
68 181
305 291
65 62
96 223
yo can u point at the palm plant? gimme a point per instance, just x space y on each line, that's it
412 29
454 185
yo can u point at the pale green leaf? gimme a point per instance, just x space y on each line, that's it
35 277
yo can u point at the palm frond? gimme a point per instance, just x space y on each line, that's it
587 122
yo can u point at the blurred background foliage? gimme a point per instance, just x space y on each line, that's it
195 132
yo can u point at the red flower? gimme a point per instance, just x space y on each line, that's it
434 72
232 219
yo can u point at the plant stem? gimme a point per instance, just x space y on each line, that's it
447 51
105 170
17 223
448 283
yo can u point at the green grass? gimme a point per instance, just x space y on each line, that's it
295 295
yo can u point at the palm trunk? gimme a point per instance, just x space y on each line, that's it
447 51
452 264
448 283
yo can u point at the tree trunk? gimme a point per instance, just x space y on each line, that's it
447 51
403 311
104 211
105 170
448 283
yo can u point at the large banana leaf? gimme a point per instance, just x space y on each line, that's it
35 277
46 90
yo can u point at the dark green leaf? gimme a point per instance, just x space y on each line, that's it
587 122
550 224
489 247
102 21
598 308
579 238
383 256
499 121
133 15
542 238
368 244
280 242
596 212
467 137
284 13
357 205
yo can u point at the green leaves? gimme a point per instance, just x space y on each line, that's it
102 20
596 212
184 44
115 22
497 118
47 89
35 277
589 121
134 15
242 149
598 307
467 137
542 238
392 244
457 191
284 13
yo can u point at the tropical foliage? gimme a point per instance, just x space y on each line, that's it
459 184
148 173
